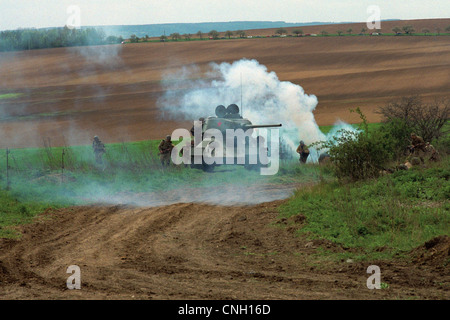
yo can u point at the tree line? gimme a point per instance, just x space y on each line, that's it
213 34
30 39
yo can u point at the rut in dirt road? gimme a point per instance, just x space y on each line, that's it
180 251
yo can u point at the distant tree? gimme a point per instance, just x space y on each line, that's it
175 36
147 37
396 30
187 36
339 32
447 29
228 33
408 29
113 39
200 35
281 31
240 33
324 33
214 34
29 39
349 30
93 36
425 31
134 38
298 32
438 31
363 30
163 38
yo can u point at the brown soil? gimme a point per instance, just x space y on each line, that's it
68 98
201 251
197 251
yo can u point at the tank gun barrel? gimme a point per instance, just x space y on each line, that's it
254 126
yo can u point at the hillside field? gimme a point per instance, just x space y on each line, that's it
68 95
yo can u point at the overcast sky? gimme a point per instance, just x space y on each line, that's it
54 13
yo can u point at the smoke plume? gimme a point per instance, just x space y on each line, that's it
262 97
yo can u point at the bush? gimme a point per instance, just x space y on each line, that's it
426 120
358 155
443 143
396 135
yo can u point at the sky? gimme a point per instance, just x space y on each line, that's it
16 14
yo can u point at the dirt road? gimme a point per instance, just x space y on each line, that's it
198 251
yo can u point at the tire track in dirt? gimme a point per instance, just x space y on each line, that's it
187 251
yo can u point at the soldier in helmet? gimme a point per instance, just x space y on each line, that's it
303 151
99 150
165 149
417 147
417 143
202 120
434 154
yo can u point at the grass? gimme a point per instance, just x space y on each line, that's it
10 95
37 180
377 218
14 212
395 213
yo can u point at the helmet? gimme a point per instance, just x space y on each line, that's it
168 137
96 138
301 142
201 119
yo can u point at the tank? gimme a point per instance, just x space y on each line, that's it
230 118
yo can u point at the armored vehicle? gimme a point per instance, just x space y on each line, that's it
245 150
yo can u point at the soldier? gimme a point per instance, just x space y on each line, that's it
165 149
417 147
99 150
324 158
192 129
434 154
417 143
303 151
202 120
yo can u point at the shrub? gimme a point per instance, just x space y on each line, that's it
357 154
426 120
396 135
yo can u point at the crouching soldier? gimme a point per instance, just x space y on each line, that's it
99 150
417 143
434 154
417 147
165 149
303 151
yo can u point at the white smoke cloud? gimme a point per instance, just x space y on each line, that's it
338 127
265 99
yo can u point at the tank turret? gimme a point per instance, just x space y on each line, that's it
230 118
